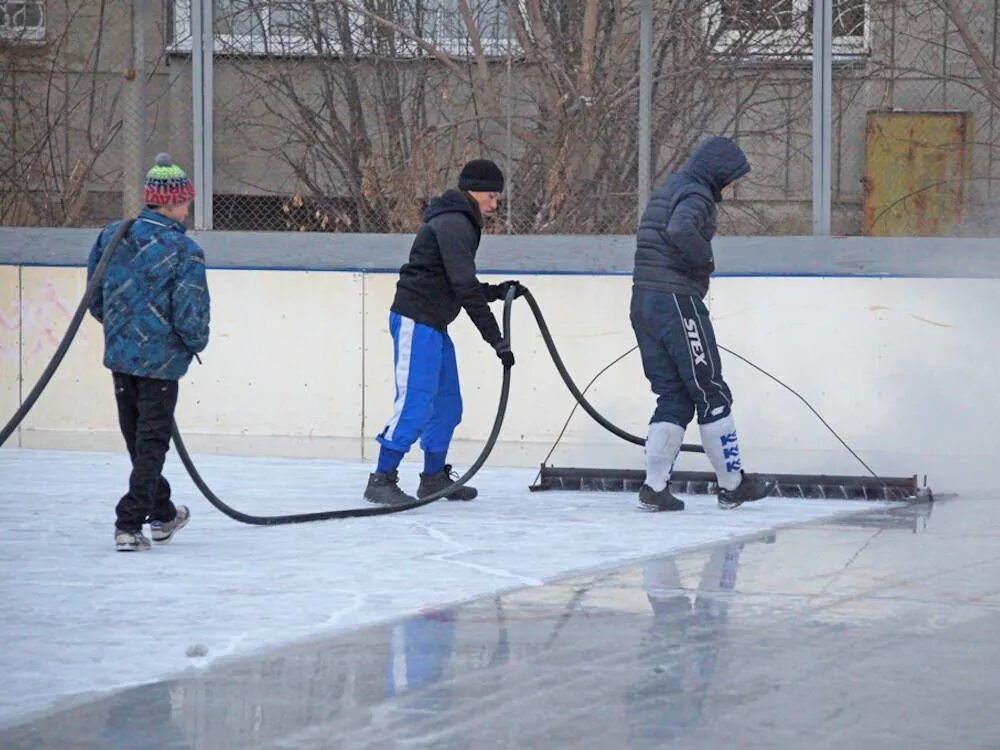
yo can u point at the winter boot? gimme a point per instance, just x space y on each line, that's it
383 489
431 483
163 531
751 487
650 499
131 541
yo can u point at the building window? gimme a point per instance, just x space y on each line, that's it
307 27
783 28
444 27
22 21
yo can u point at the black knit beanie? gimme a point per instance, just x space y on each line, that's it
481 176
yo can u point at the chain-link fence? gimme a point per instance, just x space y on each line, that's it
917 148
348 115
742 70
86 93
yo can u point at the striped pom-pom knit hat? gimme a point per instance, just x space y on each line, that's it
166 183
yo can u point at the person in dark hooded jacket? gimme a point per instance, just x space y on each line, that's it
673 264
437 283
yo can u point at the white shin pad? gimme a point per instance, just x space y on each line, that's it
663 443
722 446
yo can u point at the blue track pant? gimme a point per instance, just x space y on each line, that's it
428 402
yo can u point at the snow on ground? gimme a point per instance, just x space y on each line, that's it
79 617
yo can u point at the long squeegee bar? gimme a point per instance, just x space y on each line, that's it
819 486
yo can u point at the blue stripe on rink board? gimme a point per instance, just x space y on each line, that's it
523 272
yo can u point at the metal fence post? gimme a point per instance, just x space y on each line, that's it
202 51
645 103
509 96
134 121
822 114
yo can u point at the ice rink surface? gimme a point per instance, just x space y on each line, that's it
80 619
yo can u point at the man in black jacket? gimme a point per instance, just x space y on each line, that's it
673 263
434 286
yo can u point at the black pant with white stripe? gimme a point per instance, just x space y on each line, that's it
680 357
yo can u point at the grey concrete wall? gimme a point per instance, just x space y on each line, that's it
929 257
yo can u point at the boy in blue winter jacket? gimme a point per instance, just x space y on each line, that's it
673 263
437 283
154 306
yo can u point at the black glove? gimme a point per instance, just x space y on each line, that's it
500 290
503 351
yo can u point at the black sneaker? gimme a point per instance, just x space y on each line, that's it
752 487
649 499
383 489
431 483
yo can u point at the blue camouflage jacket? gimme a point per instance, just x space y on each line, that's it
154 302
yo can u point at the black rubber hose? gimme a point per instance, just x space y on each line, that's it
580 398
76 321
98 277
67 339
374 510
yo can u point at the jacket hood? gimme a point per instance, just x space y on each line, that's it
716 162
453 201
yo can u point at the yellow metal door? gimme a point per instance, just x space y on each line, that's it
915 172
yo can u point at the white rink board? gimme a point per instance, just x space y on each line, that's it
299 364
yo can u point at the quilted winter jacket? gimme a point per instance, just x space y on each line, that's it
674 240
